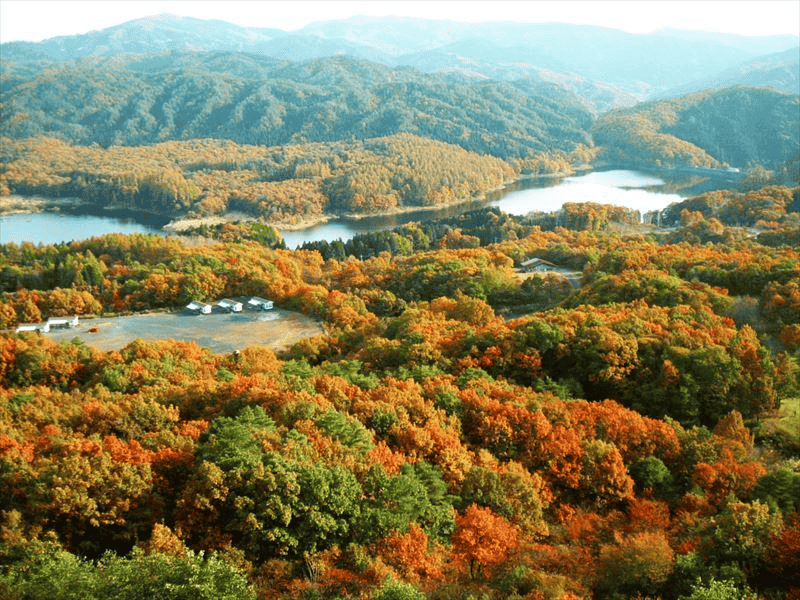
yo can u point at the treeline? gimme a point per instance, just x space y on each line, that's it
766 207
471 229
739 127
586 215
139 272
136 100
612 444
281 184
140 100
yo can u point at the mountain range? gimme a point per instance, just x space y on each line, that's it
611 67
511 90
134 99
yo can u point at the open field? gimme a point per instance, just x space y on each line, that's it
219 332
783 427
788 419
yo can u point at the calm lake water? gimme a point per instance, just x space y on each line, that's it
632 189
620 188
56 227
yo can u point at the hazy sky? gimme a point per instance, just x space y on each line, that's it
34 20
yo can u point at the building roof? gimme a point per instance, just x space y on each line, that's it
197 305
536 261
62 321
228 302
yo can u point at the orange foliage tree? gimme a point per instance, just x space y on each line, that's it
483 540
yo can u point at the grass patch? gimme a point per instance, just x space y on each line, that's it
783 428
788 421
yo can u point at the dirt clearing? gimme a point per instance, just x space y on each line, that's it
219 332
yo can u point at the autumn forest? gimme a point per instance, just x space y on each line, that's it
622 424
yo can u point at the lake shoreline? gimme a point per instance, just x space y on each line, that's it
15 205
520 196
24 205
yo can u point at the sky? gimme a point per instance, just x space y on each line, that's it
36 20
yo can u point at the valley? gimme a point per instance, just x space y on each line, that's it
536 322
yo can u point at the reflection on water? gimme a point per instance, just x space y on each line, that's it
624 190
633 189
617 179
346 228
57 227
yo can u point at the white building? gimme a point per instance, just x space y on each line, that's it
539 265
230 305
260 303
199 307
40 327
62 323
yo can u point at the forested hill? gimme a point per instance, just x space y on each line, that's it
638 65
135 99
280 183
739 126
780 71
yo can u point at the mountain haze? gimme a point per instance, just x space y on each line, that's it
511 90
780 71
736 126
629 66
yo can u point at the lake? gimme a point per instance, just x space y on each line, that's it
633 189
56 227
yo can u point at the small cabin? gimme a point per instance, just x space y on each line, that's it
62 323
230 305
40 327
201 308
260 303
537 265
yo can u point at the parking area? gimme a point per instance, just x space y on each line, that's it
220 332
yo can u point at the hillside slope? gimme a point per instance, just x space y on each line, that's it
131 100
739 126
779 71
600 58
282 184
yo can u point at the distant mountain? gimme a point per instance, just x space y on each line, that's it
651 61
143 36
134 99
394 35
760 44
737 126
511 90
405 35
171 33
612 67
599 96
780 71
